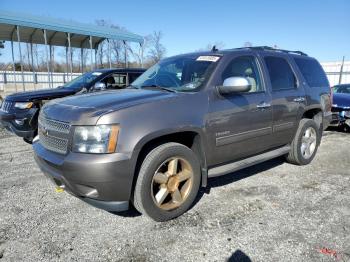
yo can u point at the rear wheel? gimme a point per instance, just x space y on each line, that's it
305 143
168 182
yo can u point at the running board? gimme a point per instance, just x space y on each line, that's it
235 166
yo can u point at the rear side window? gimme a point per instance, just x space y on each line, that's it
281 75
312 72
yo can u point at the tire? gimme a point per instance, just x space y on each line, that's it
298 155
28 140
161 192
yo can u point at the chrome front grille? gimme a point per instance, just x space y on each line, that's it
53 135
54 125
6 106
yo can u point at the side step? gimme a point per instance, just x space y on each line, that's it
235 166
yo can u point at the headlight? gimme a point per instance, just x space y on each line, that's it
95 139
23 105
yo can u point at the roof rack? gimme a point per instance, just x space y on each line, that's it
269 48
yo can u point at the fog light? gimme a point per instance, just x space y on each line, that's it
87 191
19 122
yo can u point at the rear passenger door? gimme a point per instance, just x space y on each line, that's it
288 97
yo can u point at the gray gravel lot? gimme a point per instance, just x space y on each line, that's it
271 212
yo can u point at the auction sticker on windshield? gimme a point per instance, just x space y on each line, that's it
208 58
96 73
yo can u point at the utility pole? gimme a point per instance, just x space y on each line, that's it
341 71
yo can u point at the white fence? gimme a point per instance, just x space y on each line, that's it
8 77
333 69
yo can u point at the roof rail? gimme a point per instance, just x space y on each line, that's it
269 48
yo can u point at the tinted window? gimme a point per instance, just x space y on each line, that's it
345 89
312 72
244 66
133 77
115 81
83 80
281 75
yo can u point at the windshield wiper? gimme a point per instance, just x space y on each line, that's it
160 87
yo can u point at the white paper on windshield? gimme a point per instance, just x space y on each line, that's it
208 58
96 73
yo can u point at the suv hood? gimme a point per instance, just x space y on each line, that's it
341 100
44 94
88 108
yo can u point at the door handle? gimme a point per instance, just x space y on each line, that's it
299 99
263 105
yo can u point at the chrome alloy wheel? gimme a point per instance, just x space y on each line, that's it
172 183
308 142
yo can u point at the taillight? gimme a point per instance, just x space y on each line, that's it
331 96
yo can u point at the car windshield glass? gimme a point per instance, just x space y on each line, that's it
342 89
82 81
182 73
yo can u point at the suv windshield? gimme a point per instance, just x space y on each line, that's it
345 89
82 81
181 73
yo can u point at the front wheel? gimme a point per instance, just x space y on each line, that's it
305 143
168 182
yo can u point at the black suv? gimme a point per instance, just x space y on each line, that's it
187 118
19 112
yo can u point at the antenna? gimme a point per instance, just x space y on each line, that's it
214 49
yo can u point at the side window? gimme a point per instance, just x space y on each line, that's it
115 81
312 72
244 66
281 74
133 77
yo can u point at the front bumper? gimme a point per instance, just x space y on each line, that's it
339 118
104 181
27 129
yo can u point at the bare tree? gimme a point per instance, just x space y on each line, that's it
248 44
101 51
84 55
157 50
140 53
2 45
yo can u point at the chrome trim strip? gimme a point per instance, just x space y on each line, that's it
283 126
224 140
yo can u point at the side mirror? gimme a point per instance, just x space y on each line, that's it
99 86
234 84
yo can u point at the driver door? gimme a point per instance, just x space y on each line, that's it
240 124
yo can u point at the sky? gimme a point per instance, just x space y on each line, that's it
319 28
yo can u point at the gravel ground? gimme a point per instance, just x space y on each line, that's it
271 212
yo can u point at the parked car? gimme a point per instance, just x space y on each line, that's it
19 112
341 107
186 119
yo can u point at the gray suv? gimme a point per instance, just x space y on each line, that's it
186 119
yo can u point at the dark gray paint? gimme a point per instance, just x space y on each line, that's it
230 128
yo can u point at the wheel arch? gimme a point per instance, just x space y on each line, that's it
192 138
315 113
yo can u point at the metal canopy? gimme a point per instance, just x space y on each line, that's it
56 31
